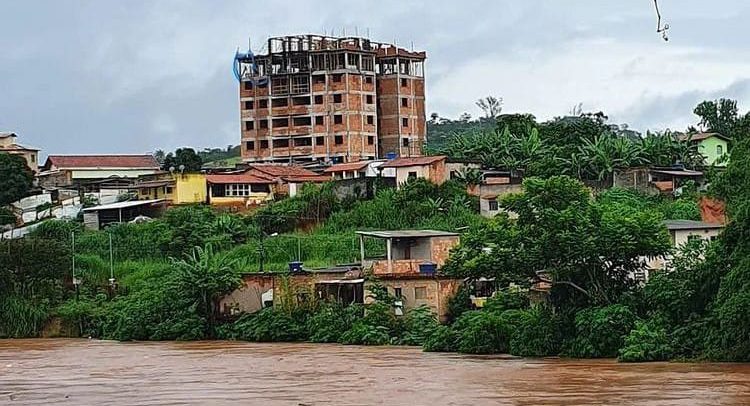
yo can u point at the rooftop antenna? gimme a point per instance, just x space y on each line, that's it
412 46
356 31
343 31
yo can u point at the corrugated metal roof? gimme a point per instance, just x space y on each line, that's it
123 205
103 161
407 233
417 161
690 225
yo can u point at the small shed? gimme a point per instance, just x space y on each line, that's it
99 216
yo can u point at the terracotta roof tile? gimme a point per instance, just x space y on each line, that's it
418 161
283 170
350 166
243 178
701 136
102 161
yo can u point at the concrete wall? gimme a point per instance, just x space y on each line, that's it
363 188
438 292
107 173
189 188
708 148
434 172
494 192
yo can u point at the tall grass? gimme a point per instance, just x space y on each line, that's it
21 318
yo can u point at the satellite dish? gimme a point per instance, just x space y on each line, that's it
182 168
171 169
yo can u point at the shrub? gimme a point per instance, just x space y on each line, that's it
419 324
483 332
600 331
459 303
84 316
509 299
331 321
537 334
20 318
648 341
267 325
442 339
366 334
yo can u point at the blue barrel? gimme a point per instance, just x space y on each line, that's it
427 268
391 155
295 266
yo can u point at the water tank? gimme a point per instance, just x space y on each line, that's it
427 268
295 266
391 155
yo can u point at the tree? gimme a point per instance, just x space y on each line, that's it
722 116
159 155
491 106
183 157
16 179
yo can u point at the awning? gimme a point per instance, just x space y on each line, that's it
341 281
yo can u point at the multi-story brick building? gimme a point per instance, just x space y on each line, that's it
317 98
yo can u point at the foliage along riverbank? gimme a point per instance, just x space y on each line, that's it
172 271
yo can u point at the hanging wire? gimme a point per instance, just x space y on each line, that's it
661 29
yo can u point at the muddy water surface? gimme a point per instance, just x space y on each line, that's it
81 372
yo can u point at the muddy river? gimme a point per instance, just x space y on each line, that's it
82 372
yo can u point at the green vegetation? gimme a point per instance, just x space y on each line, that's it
16 178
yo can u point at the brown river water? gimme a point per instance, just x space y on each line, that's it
83 372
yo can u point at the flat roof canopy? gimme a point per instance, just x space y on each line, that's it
690 225
407 234
124 205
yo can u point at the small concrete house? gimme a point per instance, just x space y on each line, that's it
175 188
410 269
239 190
713 146
287 179
82 170
682 231
655 180
360 169
8 145
431 168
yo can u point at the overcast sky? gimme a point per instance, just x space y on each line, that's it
132 76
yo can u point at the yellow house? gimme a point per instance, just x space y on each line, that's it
8 145
177 188
238 191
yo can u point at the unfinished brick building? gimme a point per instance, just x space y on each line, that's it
318 98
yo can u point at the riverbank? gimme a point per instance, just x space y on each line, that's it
70 371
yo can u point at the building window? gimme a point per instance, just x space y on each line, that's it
338 139
249 125
249 105
368 80
404 122
338 119
420 293
318 120
337 98
248 85
250 145
319 79
263 144
719 150
33 158
168 190
368 99
370 120
280 122
412 175
303 142
279 102
319 99
320 141
404 142
281 143
370 140
302 121
493 205
264 123
397 293
404 102
404 83
263 103
337 78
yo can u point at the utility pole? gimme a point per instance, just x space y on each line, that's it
111 268
76 281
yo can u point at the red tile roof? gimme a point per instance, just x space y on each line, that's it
351 166
102 161
242 178
303 179
283 170
701 136
419 161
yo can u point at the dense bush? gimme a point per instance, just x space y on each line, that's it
331 321
482 332
537 333
419 323
648 341
267 325
442 339
509 299
600 331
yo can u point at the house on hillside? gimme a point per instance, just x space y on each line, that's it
655 180
8 145
96 217
437 169
175 188
494 186
713 146
682 231
287 179
239 190
88 171
360 169
410 269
